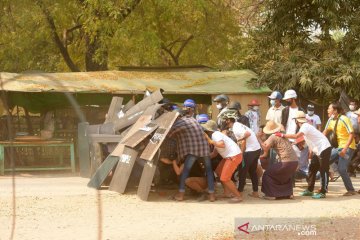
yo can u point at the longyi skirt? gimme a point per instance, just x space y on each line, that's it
277 179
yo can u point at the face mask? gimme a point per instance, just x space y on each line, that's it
272 102
310 113
219 106
255 108
288 103
352 108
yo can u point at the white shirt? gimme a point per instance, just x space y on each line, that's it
274 114
313 120
252 144
354 120
291 124
316 141
231 149
254 120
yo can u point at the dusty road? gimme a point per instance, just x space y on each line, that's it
62 207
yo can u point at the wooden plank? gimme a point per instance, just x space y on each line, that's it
133 114
114 108
83 150
103 171
141 134
128 105
167 120
105 138
147 178
123 170
93 129
95 156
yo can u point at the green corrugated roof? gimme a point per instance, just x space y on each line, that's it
129 82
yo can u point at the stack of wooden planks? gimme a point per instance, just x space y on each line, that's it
142 124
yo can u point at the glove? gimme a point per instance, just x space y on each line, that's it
279 134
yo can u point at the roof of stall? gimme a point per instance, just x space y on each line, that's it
133 82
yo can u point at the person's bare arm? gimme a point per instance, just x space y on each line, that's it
219 144
178 170
166 160
294 136
263 145
214 153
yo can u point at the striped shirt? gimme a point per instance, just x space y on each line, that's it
190 138
343 129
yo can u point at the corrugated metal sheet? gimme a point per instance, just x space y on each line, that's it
128 82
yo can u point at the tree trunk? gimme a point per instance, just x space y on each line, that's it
96 59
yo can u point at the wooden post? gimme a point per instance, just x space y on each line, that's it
123 170
147 177
84 150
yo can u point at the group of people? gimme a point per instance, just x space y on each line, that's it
235 146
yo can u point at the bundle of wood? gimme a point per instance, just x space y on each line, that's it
143 124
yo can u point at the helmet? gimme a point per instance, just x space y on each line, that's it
189 103
275 95
231 114
221 98
254 102
235 105
202 118
310 107
290 94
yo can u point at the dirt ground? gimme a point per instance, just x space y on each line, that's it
60 206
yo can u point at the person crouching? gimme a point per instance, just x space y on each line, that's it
232 157
277 179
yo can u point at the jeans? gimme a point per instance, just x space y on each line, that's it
189 162
343 164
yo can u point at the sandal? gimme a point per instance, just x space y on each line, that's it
179 197
349 193
224 196
235 200
333 179
268 198
251 195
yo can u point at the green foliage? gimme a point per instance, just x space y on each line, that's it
90 35
309 45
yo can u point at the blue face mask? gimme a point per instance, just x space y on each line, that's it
272 102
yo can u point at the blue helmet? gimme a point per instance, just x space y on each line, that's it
189 103
275 95
202 118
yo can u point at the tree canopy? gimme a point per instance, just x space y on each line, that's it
311 46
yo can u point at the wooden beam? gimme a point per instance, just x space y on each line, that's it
110 162
105 138
147 178
83 150
167 120
141 134
114 108
123 170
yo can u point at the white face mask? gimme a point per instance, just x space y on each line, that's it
272 102
219 106
310 113
255 108
352 107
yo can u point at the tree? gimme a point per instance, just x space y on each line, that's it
92 35
296 48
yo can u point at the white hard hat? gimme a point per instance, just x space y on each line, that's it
290 94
